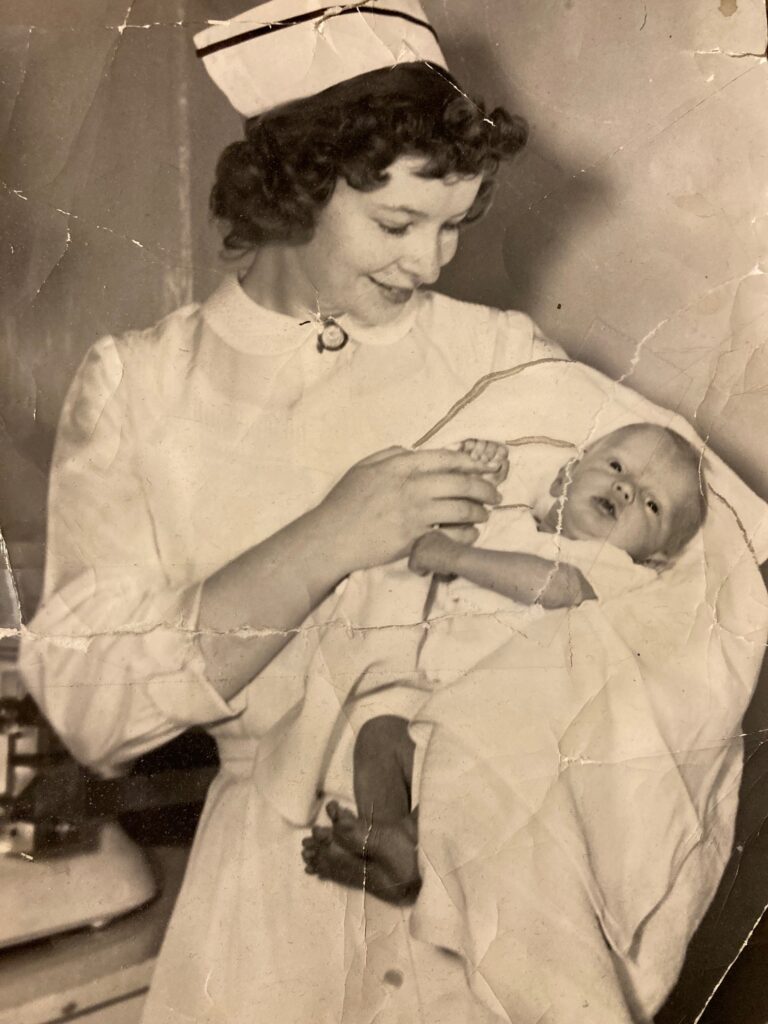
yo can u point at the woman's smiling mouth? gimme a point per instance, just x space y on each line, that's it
397 296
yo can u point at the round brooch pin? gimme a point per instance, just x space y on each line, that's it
332 337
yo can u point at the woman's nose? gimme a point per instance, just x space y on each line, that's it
424 259
625 489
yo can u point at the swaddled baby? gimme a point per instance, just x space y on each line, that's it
638 489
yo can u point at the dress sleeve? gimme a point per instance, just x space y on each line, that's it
111 655
610 572
519 340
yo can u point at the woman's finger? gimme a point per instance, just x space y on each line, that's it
442 460
452 512
459 485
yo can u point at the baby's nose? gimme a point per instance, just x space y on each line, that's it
625 490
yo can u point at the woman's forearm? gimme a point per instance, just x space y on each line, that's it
251 607
524 578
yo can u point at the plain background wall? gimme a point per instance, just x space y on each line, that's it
629 226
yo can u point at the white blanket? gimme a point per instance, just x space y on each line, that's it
593 764
614 730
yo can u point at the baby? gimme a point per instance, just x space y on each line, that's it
639 489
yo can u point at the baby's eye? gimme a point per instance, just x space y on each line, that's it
394 229
615 464
653 506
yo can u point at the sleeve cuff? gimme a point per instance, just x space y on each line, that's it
608 570
186 696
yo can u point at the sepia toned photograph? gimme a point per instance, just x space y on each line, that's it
383 512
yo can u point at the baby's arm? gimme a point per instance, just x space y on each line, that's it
521 577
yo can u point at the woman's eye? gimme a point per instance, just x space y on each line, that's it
653 506
452 227
394 229
615 464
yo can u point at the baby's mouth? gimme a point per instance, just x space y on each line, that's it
604 506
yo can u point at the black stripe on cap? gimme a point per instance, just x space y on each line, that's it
265 30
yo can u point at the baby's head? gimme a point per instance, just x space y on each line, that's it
639 487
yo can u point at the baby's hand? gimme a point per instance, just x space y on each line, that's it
433 553
492 457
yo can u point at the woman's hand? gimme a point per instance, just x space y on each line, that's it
384 503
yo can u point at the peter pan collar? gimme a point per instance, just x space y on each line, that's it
256 330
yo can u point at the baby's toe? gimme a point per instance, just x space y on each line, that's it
333 808
310 851
345 821
321 835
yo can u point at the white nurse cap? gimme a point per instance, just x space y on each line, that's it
288 49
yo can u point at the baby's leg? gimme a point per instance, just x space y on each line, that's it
383 770
376 850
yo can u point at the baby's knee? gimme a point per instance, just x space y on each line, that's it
385 734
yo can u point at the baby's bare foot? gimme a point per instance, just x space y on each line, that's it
332 862
389 848
378 858
326 859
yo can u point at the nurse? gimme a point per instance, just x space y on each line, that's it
213 483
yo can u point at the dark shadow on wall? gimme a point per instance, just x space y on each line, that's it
717 968
543 201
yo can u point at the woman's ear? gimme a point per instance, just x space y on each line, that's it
565 472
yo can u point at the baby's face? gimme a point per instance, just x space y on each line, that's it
628 489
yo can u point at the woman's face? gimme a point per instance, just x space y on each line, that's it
371 250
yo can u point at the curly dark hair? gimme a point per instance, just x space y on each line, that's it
271 185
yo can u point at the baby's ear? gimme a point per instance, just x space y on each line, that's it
558 484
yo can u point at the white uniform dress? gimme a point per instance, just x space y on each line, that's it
179 448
